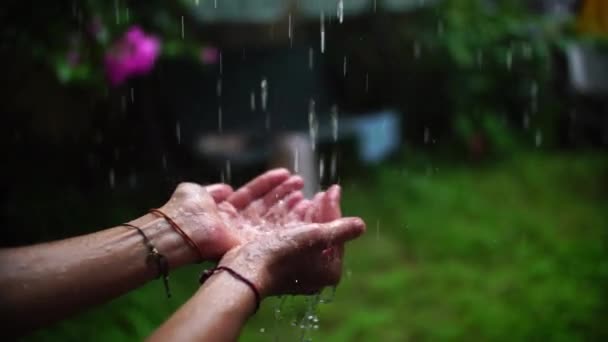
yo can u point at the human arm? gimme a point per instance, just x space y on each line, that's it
48 282
297 259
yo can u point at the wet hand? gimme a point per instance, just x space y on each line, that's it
305 255
219 219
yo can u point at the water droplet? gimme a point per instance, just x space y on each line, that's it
334 121
311 58
112 178
264 93
322 32
182 27
340 11
538 138
313 124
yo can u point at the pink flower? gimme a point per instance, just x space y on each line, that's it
210 55
134 54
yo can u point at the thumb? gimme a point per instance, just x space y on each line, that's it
331 233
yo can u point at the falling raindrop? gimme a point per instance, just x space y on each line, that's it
377 229
417 49
440 28
509 59
311 58
313 123
366 82
228 171
182 27
289 28
164 161
296 160
112 178
344 66
340 11
321 168
427 135
538 138
214 3
375 5
218 87
252 101
322 32
178 132
333 165
526 122
220 119
264 93
132 96
221 63
334 122
116 12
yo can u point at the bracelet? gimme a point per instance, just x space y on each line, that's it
153 253
208 273
180 231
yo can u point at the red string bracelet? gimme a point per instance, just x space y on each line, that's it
180 231
208 273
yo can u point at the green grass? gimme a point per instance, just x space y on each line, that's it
516 250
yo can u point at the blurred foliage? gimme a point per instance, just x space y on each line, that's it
72 37
515 250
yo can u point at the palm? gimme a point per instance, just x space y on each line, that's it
274 202
220 219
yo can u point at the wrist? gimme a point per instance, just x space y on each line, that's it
168 242
252 267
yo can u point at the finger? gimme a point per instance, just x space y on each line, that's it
330 205
293 183
293 199
312 213
219 191
258 187
300 209
331 233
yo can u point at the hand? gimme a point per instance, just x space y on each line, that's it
303 257
219 219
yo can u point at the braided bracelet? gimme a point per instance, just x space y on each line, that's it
160 260
208 273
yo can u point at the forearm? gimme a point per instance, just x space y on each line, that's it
47 282
217 312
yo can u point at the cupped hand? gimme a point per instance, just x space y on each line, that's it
219 219
305 255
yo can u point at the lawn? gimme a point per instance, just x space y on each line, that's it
511 250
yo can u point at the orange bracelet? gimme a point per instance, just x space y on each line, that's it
180 231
